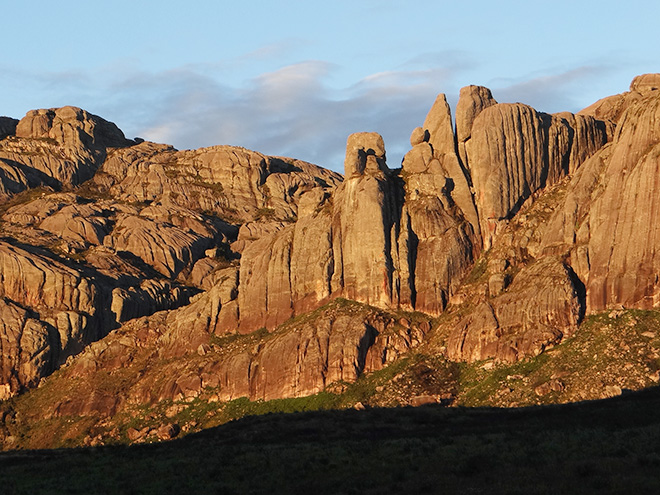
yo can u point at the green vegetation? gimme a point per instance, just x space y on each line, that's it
616 349
264 214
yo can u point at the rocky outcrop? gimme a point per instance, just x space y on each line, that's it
165 247
645 83
234 183
147 298
27 349
34 281
58 147
339 246
438 122
364 225
471 102
612 107
37 288
320 262
539 309
515 151
334 345
437 245
608 219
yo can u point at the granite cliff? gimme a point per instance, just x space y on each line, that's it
148 275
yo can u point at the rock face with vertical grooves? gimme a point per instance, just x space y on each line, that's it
608 220
515 151
339 247
365 217
471 102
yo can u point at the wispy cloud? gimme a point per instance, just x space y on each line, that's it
551 91
295 110
291 111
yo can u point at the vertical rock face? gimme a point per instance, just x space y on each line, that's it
365 214
264 296
339 247
614 234
32 348
443 144
437 245
608 220
26 349
506 155
312 261
471 102
514 151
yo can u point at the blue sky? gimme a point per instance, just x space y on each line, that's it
295 78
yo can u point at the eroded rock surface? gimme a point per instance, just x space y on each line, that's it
541 307
608 220
267 277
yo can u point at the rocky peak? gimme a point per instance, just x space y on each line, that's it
365 154
472 101
645 83
69 125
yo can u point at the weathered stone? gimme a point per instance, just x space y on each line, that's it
365 153
364 217
167 431
605 220
471 102
645 83
515 151
27 350
554 385
439 124
540 308
168 249
419 135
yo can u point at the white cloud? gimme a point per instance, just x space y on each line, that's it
293 111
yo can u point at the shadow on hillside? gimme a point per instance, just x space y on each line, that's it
606 446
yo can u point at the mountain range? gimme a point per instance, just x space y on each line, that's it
148 292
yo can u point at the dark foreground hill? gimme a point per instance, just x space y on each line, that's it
608 446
